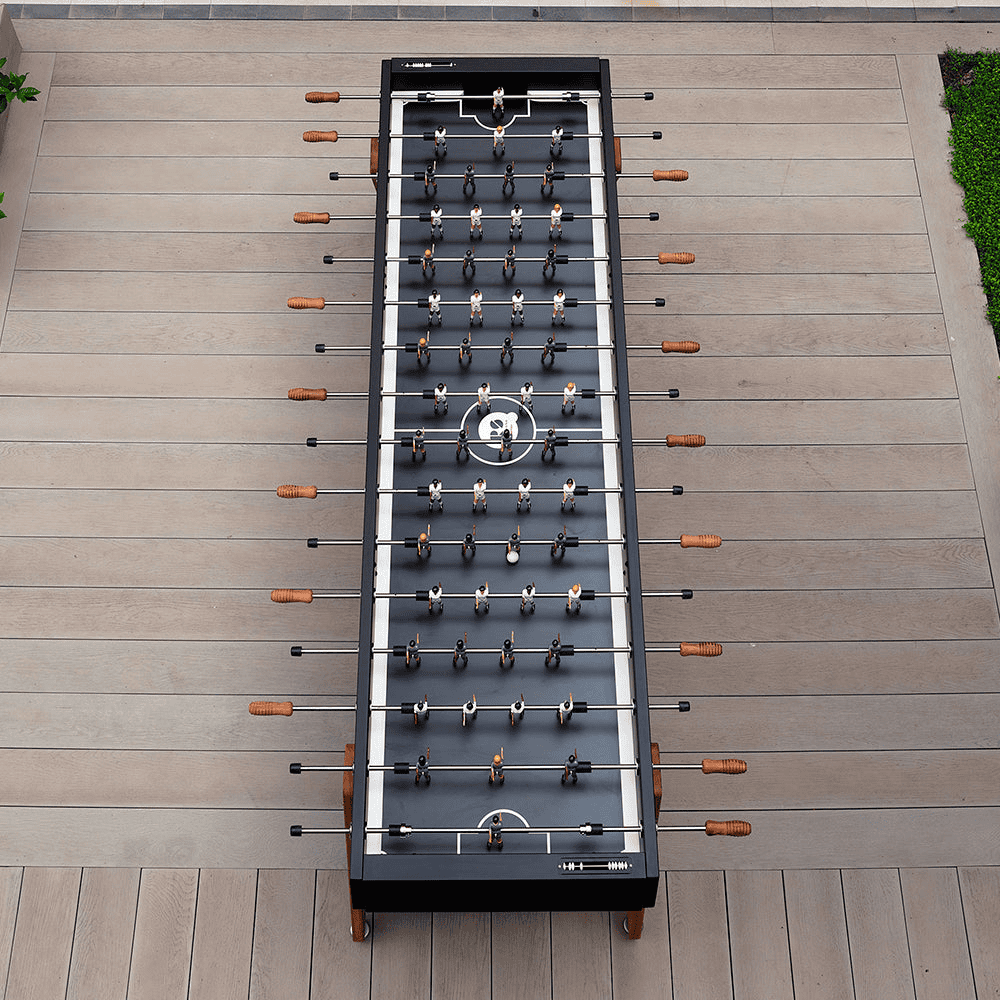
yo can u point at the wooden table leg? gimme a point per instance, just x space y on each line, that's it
633 924
357 916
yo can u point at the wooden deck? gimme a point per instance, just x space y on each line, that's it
847 387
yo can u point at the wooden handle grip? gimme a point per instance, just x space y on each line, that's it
319 394
305 218
681 347
727 828
292 596
685 440
271 708
697 541
323 97
297 492
299 302
314 136
728 766
701 649
670 175
675 258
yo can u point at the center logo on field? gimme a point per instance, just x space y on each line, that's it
484 441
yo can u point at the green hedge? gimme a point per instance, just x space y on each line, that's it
972 95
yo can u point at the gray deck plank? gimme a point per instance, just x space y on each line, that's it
521 946
700 962
341 967
581 956
980 899
935 929
282 935
43 934
758 935
643 968
401 954
223 934
876 929
102 940
817 935
164 928
10 891
460 957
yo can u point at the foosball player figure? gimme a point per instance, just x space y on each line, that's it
496 769
434 495
549 444
423 770
495 838
508 179
435 599
548 179
440 141
465 348
517 711
516 214
413 653
476 307
424 350
517 307
514 546
440 399
555 220
569 769
434 306
510 263
526 391
498 146
475 222
424 544
430 178
498 102
469 264
549 351
469 180
461 652
569 398
483 403
559 545
437 222
554 654
574 600
569 495
483 598
469 544
555 144
549 263
462 445
506 445
559 308
507 349
469 712
524 495
418 448
528 600
427 264
507 653
421 711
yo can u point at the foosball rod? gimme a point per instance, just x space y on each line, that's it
322 395
671 441
287 708
685 541
713 828
305 302
485 134
684 648
429 97
292 492
325 218
287 595
728 766
560 348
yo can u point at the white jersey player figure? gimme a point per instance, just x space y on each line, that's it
434 495
435 599
440 398
568 495
498 102
483 404
479 494
483 598
434 306
498 137
437 222
516 214
559 308
555 144
517 307
555 220
469 711
475 222
440 141
569 398
476 307
524 495
528 600
526 390
574 598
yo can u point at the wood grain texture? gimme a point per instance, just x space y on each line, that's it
817 935
102 938
10 891
980 898
699 934
758 935
43 935
282 935
643 968
461 956
164 929
939 947
401 954
223 934
880 960
581 956
522 956
341 967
